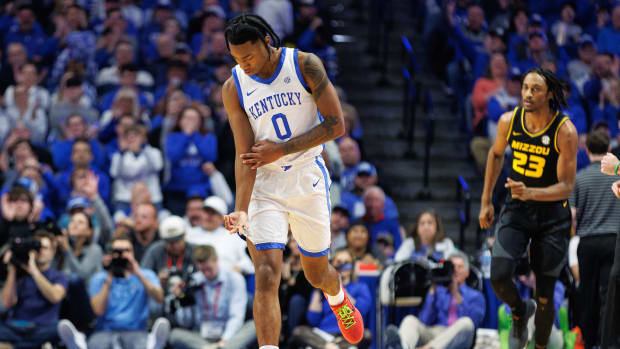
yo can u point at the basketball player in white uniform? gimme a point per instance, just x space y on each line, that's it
282 108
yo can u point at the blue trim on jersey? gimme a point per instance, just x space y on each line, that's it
239 94
298 71
329 204
313 254
275 74
269 246
321 119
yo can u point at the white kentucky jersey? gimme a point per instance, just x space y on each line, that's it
280 107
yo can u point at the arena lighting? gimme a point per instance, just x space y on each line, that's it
343 38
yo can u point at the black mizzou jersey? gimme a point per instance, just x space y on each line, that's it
535 155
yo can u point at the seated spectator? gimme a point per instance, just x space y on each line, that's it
536 52
339 224
213 21
140 195
113 131
33 297
230 248
189 149
16 57
166 115
375 218
135 161
350 155
319 313
81 259
71 100
16 153
141 229
360 246
82 162
609 36
128 75
427 239
109 78
602 73
26 103
449 316
194 214
225 327
17 205
27 31
579 69
75 128
177 79
608 106
365 177
170 255
565 31
158 66
119 297
487 86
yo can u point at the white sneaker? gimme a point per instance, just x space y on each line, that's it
72 338
159 334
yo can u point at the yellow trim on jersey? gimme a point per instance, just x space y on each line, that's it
555 137
539 132
512 119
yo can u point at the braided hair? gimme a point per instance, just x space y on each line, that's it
249 27
556 85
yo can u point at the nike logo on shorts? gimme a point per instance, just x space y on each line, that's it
317 182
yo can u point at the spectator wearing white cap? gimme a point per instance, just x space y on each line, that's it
171 255
230 248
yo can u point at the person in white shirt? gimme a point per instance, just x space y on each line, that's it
230 248
109 77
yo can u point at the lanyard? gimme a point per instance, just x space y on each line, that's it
215 300
179 262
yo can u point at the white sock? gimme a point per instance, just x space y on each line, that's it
268 347
337 299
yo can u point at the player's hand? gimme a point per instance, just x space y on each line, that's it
486 216
608 164
263 153
518 190
615 187
236 222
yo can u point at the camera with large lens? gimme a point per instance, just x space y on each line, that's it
118 264
21 247
188 287
441 272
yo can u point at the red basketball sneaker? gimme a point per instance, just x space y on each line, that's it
350 320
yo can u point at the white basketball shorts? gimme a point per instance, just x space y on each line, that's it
296 195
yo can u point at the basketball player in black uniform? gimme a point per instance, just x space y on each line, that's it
544 148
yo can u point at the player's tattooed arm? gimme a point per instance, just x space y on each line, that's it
326 99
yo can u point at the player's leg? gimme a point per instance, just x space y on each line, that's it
320 274
545 310
266 306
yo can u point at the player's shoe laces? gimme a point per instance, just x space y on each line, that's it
350 320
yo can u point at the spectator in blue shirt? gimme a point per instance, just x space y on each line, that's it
28 32
319 315
456 308
609 36
602 72
218 317
365 176
376 219
34 299
188 149
119 297
608 106
177 79
76 128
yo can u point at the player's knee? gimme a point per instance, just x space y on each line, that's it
267 280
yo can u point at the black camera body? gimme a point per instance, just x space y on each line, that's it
21 247
441 273
186 298
118 264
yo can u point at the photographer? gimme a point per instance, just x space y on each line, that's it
218 313
449 316
120 297
34 299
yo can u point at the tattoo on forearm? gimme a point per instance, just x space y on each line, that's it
320 134
313 67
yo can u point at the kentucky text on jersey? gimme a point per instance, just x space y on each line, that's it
530 148
272 102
